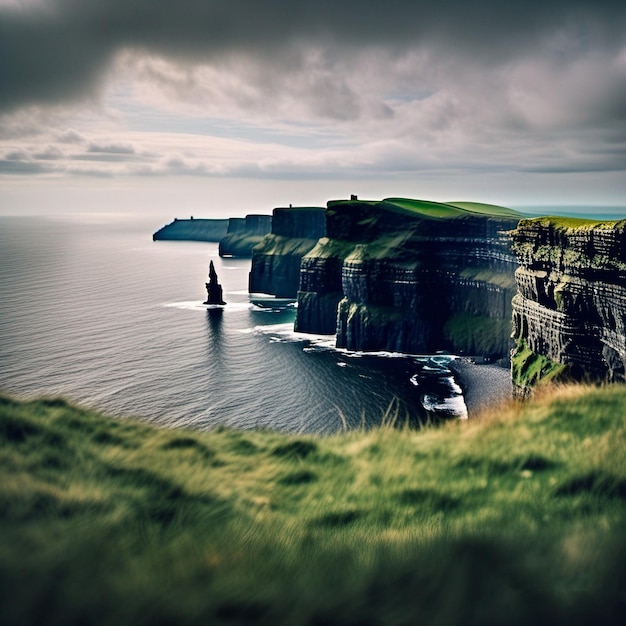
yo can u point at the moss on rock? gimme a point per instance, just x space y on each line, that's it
529 369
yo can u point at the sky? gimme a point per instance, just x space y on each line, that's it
226 107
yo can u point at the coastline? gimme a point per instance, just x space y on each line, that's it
483 385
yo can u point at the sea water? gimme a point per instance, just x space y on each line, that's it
99 313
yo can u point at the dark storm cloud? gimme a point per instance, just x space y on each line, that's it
61 49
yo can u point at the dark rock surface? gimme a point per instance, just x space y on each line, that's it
570 306
411 276
276 261
192 230
213 288
243 234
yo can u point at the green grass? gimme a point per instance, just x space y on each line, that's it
486 209
424 208
529 369
434 210
565 223
449 210
516 518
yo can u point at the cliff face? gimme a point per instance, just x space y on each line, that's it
276 261
569 314
243 234
411 276
192 230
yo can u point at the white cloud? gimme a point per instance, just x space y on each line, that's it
70 135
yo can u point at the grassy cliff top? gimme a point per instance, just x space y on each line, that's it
513 518
565 223
486 209
436 210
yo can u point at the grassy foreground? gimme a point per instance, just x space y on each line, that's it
516 518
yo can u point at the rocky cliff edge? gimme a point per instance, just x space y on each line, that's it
411 276
192 230
243 234
276 260
569 313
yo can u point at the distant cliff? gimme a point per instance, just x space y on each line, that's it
243 234
192 230
411 276
569 315
276 261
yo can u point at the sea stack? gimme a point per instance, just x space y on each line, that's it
213 288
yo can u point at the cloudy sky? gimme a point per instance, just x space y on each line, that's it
221 107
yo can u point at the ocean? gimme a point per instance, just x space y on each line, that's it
97 312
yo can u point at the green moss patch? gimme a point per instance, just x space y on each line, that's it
529 369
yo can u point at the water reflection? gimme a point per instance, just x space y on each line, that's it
214 316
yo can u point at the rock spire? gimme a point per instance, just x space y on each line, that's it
213 288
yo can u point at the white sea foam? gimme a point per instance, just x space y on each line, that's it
194 305
454 405
285 334
326 342
197 305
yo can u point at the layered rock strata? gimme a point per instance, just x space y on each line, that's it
243 234
192 230
569 313
411 276
276 260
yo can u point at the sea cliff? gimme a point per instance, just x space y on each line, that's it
569 313
192 230
276 260
243 234
411 276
